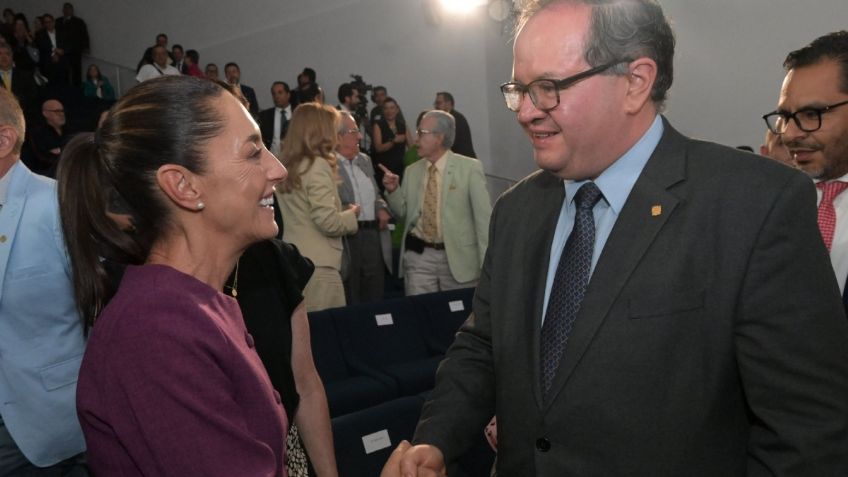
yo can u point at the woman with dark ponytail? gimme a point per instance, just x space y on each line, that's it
170 383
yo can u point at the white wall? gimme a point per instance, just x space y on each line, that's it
728 62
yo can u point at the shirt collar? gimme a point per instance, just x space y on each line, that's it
618 179
440 162
4 183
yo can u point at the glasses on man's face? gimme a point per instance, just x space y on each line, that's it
545 92
57 111
422 132
350 131
807 119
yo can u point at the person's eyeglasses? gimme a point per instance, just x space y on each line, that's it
425 131
545 92
350 131
55 111
807 119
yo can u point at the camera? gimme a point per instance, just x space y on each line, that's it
360 85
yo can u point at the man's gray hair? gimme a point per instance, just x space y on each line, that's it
622 30
445 124
344 114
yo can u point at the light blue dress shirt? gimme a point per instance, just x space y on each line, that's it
615 183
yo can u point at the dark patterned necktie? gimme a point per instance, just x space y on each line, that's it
569 287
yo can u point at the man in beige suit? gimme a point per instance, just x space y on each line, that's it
445 207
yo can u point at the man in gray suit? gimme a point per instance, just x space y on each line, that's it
650 305
369 249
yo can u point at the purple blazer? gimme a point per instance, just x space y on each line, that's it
170 384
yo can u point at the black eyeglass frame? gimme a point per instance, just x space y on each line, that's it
559 84
794 117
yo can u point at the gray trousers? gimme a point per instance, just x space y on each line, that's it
366 279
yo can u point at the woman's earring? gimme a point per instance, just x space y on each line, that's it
200 206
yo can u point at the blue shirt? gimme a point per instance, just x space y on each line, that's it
615 183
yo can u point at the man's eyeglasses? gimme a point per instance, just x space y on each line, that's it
807 119
55 111
545 92
425 131
350 131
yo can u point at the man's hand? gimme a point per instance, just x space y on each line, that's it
383 218
356 208
390 179
415 461
491 433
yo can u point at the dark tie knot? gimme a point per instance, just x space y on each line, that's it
587 196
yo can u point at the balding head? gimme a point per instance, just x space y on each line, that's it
54 113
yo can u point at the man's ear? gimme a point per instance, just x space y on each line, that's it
640 82
8 138
180 185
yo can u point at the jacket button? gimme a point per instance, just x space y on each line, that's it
543 445
249 339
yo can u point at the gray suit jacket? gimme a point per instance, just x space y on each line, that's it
711 340
348 197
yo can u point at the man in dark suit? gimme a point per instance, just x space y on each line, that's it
19 82
649 305
463 144
74 33
274 122
233 75
178 54
51 49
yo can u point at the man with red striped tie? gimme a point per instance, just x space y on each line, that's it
812 121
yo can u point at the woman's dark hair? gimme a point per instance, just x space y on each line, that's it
88 72
166 120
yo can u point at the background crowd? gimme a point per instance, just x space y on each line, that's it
233 216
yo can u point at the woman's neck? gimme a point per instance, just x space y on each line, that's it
199 259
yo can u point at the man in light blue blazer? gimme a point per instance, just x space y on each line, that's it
41 336
449 232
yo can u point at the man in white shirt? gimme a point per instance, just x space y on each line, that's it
51 50
159 67
812 121
274 122
370 248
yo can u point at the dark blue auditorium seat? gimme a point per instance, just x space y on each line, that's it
383 427
444 312
347 390
390 337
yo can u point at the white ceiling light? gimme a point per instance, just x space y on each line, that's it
461 5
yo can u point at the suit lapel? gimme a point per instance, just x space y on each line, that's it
646 210
346 186
10 215
550 198
416 192
447 184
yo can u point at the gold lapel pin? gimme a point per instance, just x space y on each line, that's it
2 239
656 211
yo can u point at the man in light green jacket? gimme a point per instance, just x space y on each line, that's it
445 207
